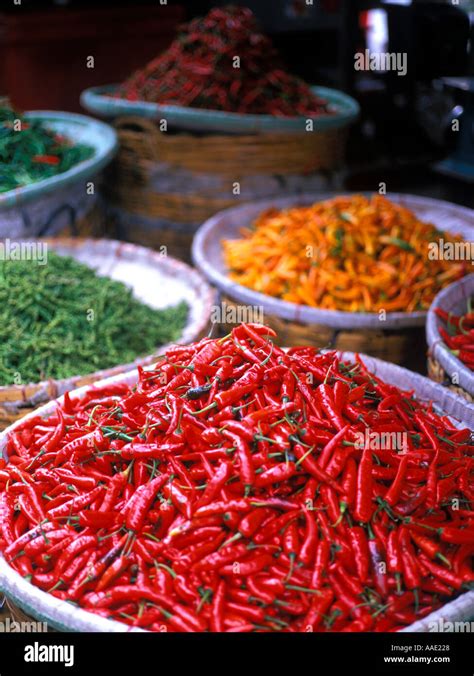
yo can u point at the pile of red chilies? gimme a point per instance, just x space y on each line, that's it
229 491
459 334
198 70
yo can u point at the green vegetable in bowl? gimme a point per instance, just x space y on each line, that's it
30 152
62 319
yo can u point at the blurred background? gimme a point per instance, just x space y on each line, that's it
404 129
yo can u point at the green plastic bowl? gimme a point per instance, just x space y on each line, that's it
79 129
99 100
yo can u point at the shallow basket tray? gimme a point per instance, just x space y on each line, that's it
443 366
62 615
157 280
100 100
399 338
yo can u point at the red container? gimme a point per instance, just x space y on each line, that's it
44 55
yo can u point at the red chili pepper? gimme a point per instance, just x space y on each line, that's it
319 607
141 502
221 557
87 442
441 573
363 509
274 526
46 159
321 564
251 522
428 546
360 547
378 567
75 504
349 482
222 506
393 494
410 571
217 611
276 474
243 386
19 543
328 450
311 466
75 547
114 489
308 548
262 593
328 406
457 536
247 472
246 568
114 571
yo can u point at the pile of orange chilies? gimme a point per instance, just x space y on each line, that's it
230 491
350 253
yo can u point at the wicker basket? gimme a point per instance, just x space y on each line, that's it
399 338
65 616
437 373
399 346
15 614
162 186
443 366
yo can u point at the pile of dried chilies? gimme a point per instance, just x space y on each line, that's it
222 62
31 152
459 334
229 491
350 253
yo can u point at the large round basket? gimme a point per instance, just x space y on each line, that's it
66 202
178 166
156 280
397 337
443 366
24 598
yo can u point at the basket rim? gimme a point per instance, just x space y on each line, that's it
444 300
98 134
191 331
304 314
62 615
96 100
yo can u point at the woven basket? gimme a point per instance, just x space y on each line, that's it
399 346
65 616
229 156
93 224
165 278
437 373
15 614
175 181
443 366
399 339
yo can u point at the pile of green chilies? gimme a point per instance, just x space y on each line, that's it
62 319
31 152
